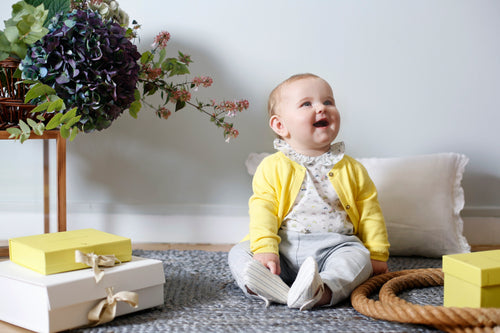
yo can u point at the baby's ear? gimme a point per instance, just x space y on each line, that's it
278 126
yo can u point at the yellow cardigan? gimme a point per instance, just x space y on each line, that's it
276 184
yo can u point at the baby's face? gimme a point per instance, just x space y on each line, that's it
307 117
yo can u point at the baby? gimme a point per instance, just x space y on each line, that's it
316 227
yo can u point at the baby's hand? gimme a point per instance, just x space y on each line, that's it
379 267
270 260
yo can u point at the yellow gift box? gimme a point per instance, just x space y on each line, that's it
55 252
472 279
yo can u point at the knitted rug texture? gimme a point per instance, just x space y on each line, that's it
201 296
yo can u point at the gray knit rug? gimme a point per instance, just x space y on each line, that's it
200 296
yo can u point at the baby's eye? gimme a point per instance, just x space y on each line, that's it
328 102
306 104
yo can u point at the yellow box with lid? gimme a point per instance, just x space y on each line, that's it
472 279
55 252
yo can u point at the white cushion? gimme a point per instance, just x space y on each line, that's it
421 199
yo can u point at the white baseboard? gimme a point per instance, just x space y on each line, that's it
210 225
200 226
168 228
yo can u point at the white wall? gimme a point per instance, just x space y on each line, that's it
410 77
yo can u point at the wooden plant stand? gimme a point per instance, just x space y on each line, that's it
61 180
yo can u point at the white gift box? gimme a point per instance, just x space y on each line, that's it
51 303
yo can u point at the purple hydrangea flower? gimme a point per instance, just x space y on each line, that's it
90 64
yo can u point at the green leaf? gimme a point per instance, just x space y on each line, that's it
74 132
42 107
137 95
14 132
64 131
39 129
134 108
38 90
34 3
29 81
167 66
150 88
57 6
11 33
56 105
24 127
73 121
54 122
18 49
24 25
163 54
179 105
3 55
34 36
17 74
146 57
24 137
31 122
68 115
179 69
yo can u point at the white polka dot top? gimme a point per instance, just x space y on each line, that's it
317 208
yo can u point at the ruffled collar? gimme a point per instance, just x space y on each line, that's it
330 158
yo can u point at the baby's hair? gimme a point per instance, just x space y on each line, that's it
274 95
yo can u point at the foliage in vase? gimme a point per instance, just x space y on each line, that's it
87 61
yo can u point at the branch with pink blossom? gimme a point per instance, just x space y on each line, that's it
155 76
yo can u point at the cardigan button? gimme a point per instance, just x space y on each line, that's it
330 174
348 207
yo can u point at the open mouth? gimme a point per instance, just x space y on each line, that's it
321 123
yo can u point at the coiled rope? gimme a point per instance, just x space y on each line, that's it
391 307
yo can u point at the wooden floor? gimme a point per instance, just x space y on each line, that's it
184 247
4 251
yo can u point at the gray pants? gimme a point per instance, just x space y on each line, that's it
343 261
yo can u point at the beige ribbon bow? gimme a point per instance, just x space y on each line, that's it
105 310
94 261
